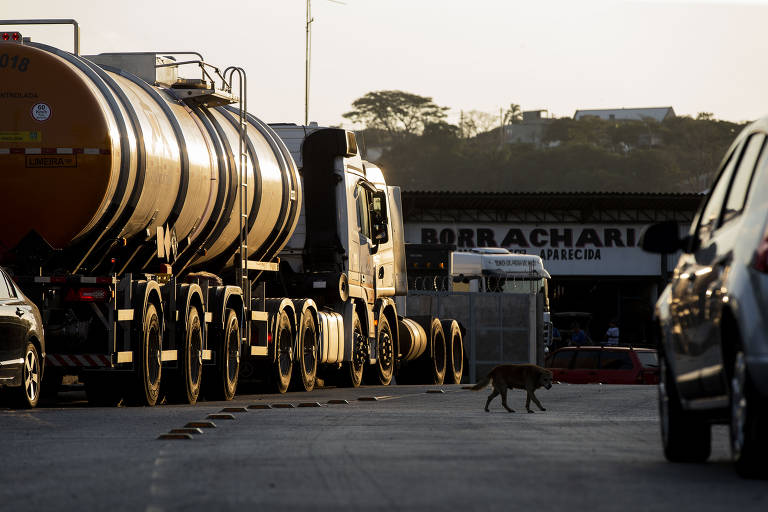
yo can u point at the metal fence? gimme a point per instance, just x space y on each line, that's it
500 327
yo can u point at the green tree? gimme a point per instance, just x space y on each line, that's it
513 114
396 112
475 122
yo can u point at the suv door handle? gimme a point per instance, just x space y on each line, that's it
19 312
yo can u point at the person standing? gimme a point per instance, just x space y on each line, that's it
578 337
612 334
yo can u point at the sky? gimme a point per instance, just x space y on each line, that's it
465 54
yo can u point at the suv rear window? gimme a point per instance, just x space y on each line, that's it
562 359
610 360
648 359
586 360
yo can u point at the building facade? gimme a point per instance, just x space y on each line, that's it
588 241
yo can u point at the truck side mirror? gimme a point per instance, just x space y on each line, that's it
663 238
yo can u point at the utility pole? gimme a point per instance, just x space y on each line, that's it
306 58
501 125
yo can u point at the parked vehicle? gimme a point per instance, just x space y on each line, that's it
604 364
712 318
22 346
173 245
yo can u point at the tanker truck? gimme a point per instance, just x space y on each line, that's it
173 244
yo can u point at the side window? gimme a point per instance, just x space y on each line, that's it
5 292
586 360
737 195
615 361
562 359
363 211
379 219
711 213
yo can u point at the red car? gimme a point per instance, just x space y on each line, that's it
608 365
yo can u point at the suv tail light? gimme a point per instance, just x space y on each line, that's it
761 256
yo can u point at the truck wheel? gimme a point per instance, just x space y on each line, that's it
749 422
455 351
185 387
282 367
147 357
437 362
222 383
307 353
27 395
684 437
385 360
352 371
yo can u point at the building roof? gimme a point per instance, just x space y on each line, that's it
635 114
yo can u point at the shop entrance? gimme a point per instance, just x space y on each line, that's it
626 300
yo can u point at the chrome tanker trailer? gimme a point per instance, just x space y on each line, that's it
145 213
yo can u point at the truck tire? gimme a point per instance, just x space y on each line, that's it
306 360
282 367
221 381
352 371
147 358
749 423
454 351
385 359
684 436
437 362
27 395
186 380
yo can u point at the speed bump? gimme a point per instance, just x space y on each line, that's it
234 409
310 404
185 431
175 436
283 406
220 416
435 391
338 401
259 406
368 398
200 424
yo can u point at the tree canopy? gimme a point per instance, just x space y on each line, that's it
396 112
680 154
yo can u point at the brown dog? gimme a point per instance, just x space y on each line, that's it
529 377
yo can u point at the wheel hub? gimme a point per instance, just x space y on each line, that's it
31 376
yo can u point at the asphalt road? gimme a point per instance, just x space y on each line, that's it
595 448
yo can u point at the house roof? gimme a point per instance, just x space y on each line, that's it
636 114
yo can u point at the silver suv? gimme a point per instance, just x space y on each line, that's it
712 317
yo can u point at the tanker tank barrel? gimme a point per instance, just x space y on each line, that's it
115 149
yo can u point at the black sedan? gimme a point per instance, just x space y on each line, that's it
712 317
22 347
